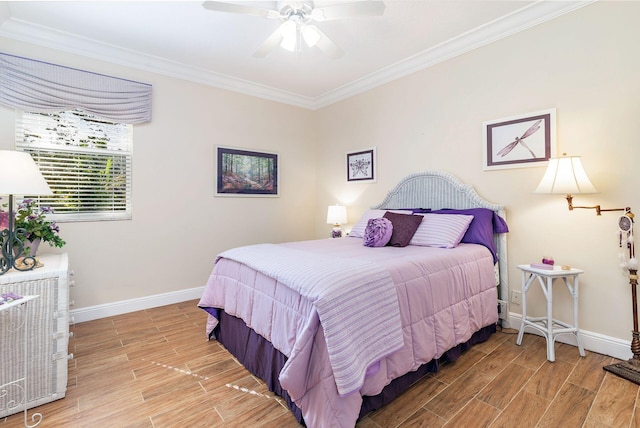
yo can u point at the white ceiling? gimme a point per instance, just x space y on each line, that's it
182 39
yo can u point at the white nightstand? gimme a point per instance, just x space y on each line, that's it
15 390
549 326
48 319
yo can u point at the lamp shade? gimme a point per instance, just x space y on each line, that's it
19 175
565 175
336 214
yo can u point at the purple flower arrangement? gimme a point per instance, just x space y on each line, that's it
33 220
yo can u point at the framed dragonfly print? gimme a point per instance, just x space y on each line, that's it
519 141
361 165
246 173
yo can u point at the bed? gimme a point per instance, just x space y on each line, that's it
339 329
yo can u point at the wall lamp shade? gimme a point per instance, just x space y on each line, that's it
565 175
19 175
336 215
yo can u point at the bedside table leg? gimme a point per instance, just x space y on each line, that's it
548 293
573 290
525 286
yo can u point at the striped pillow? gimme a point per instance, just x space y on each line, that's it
443 231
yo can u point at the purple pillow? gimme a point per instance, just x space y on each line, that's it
484 224
499 224
377 233
404 227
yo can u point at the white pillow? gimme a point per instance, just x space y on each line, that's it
357 231
442 231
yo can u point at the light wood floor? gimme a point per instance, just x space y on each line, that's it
155 368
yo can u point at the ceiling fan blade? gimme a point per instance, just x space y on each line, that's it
349 10
326 45
272 41
219 6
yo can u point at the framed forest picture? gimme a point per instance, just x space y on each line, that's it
246 173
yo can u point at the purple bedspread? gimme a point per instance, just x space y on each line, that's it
257 354
348 296
445 295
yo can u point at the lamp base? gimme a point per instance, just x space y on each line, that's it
12 247
629 370
336 232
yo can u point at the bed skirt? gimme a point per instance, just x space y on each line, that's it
244 344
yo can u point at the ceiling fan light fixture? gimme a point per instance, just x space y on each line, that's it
295 16
289 36
310 35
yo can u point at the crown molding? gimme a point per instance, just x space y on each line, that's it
522 19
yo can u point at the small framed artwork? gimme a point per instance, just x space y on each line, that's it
246 173
520 141
361 165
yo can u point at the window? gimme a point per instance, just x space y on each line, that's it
85 159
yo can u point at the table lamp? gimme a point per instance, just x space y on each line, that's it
336 215
19 175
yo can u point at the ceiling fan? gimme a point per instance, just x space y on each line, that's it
296 17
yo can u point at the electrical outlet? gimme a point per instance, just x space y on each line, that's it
516 297
502 310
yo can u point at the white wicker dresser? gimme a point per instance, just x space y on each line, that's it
48 338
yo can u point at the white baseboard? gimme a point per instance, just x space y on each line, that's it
132 305
591 341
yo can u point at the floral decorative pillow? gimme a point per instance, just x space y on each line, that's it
357 231
378 232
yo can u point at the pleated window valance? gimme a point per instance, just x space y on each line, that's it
40 87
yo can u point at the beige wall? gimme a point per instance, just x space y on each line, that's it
178 226
586 65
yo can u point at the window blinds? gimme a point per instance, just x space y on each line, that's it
86 161
41 87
